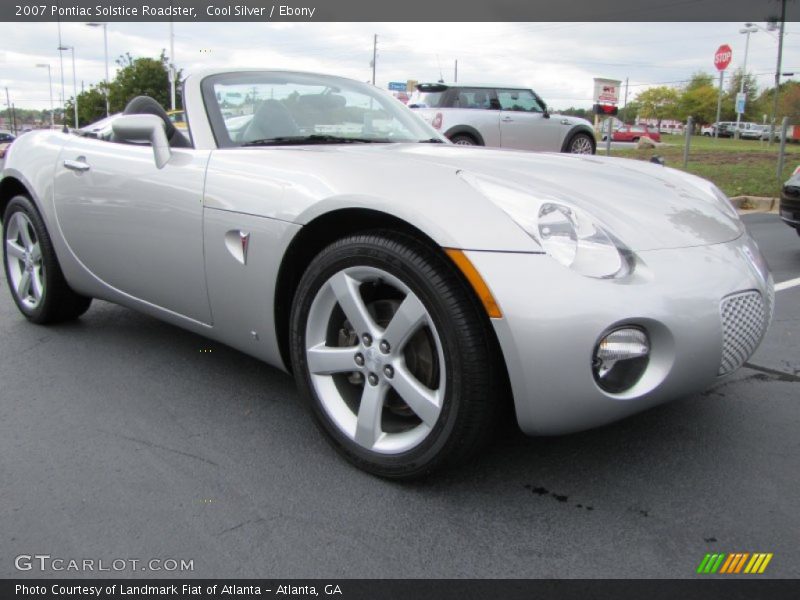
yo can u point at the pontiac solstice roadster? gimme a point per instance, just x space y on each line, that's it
412 287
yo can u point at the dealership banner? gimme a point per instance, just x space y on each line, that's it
402 11
401 589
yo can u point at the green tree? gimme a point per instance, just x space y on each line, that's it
91 106
752 111
142 76
658 103
698 99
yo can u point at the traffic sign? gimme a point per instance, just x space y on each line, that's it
397 86
722 57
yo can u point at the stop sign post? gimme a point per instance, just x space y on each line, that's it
722 58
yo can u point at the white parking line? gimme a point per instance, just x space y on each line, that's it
785 285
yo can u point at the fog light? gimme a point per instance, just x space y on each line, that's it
620 359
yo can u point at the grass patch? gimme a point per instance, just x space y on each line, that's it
738 167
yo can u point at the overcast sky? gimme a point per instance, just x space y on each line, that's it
558 60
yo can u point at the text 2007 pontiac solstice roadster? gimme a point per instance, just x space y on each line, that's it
411 286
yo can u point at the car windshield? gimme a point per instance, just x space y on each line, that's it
277 108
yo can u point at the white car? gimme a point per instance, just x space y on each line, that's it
501 116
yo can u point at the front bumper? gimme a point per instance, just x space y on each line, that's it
790 207
553 319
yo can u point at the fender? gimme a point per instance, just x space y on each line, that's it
465 129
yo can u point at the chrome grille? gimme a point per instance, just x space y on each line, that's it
744 321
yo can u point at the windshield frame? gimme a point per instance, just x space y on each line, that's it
411 121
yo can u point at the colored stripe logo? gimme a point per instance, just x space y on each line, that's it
734 563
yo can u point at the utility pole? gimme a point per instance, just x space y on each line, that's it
455 80
625 103
8 105
777 74
374 55
14 118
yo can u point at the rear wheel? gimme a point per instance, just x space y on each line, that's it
32 270
462 139
394 355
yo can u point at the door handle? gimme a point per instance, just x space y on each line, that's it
507 119
77 165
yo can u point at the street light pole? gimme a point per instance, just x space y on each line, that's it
61 70
50 80
74 82
105 48
748 29
172 65
374 55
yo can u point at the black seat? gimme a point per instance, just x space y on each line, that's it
272 119
145 105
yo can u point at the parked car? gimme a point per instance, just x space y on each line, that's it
790 201
178 117
502 116
412 288
708 130
6 138
633 133
3 147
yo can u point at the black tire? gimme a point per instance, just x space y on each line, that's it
635 140
475 389
57 302
464 139
579 142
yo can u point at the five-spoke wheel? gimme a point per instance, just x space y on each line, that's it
392 351
24 260
34 276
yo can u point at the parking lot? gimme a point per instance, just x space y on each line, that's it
123 437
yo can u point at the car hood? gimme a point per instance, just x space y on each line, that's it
645 205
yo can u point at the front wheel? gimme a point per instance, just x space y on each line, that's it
34 276
582 143
394 355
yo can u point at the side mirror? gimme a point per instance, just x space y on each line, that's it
144 128
546 113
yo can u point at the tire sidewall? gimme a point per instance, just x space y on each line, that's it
329 262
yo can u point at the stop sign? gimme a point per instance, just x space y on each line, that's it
722 57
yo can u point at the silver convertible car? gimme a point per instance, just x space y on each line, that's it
414 288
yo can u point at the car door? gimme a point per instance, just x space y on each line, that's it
136 227
523 125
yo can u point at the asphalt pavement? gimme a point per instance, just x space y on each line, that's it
125 438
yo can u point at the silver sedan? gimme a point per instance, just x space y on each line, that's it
413 288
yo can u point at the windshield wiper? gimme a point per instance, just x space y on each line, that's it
431 141
289 140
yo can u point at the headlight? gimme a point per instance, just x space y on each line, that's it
724 202
567 233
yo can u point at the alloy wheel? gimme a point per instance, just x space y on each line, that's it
24 260
375 359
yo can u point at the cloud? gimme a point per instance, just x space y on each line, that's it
558 60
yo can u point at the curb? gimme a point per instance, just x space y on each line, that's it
747 204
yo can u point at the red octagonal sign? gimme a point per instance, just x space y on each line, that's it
722 57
